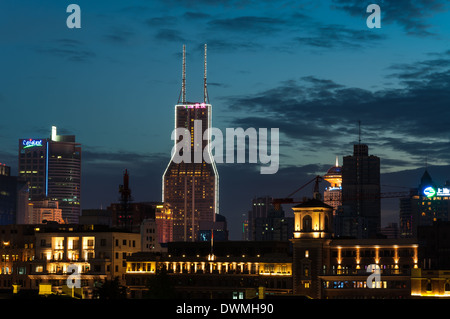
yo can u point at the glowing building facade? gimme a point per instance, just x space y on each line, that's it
333 194
427 204
190 187
52 167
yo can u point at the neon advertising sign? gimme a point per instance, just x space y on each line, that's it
431 192
31 143
196 106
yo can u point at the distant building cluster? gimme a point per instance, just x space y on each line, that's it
324 246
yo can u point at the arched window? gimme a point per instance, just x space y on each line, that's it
307 223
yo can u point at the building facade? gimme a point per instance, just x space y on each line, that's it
44 210
13 197
329 267
191 183
52 167
427 204
332 195
360 215
233 270
261 206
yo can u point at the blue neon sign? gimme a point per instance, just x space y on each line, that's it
429 191
31 143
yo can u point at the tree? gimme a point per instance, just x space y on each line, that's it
160 286
111 289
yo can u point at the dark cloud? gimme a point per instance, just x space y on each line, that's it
335 35
119 35
321 114
170 35
71 50
248 24
196 15
413 15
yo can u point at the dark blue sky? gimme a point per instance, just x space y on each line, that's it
310 68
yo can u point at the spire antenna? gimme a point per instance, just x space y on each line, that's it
205 90
359 133
183 78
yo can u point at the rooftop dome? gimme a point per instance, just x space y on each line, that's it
335 170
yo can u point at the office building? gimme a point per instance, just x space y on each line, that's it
164 223
191 185
13 197
52 167
215 231
360 215
261 206
333 193
427 203
136 213
44 210
149 236
275 227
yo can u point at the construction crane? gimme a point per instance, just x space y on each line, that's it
277 202
289 200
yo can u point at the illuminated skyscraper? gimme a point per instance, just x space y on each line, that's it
191 187
426 204
333 194
52 166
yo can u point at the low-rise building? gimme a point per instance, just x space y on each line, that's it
231 270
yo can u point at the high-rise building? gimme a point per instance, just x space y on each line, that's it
333 194
52 167
360 216
427 204
261 206
13 197
191 186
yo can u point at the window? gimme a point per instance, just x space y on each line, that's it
307 223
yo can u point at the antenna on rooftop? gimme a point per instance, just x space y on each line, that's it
205 90
359 133
183 79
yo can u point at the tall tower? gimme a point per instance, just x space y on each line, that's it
333 194
124 216
361 215
192 188
52 166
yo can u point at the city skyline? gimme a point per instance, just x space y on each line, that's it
312 69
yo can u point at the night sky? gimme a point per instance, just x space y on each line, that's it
313 69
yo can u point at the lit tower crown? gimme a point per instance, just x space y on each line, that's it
191 189
334 175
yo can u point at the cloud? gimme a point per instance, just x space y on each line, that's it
119 35
334 35
71 50
412 15
170 35
320 114
248 24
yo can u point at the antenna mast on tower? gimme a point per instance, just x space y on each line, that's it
359 133
205 90
182 96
